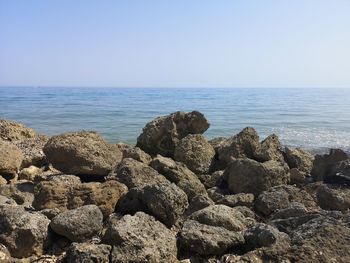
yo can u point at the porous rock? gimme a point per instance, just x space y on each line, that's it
13 131
88 253
10 159
333 198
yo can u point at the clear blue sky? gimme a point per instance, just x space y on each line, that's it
180 43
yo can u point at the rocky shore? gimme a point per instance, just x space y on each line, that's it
174 197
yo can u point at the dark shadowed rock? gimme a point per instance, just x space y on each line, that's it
133 173
294 209
323 164
88 253
211 180
249 176
196 152
13 131
79 224
10 159
207 240
140 238
199 202
22 192
340 174
161 135
333 198
242 145
23 233
179 174
82 153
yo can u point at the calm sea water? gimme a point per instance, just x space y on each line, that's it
310 118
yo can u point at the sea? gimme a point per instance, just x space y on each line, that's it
311 118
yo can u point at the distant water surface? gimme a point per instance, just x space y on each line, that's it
310 118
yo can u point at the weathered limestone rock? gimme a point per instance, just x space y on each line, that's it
13 131
82 153
294 209
212 180
32 149
269 149
241 199
140 238
10 159
133 173
299 159
88 253
196 152
23 233
199 202
323 164
79 224
336 198
179 174
21 191
161 135
67 192
136 153
30 173
3 181
207 240
249 176
220 216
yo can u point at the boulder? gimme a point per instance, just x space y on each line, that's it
333 198
67 192
179 174
80 224
323 164
196 152
140 238
82 153
207 240
340 174
294 209
212 180
10 159
269 149
30 173
161 135
281 197
217 142
263 235
13 131
88 253
216 193
242 145
199 202
3 181
23 233
133 173
136 153
32 149
299 159
250 176
22 192
241 199
220 216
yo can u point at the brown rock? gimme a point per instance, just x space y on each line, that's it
299 159
10 159
333 198
88 253
269 149
32 149
13 131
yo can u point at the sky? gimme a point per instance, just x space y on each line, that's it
197 43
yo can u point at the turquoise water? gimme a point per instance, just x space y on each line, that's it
310 118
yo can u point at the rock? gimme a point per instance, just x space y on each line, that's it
216 193
212 180
323 164
133 173
21 191
249 176
32 149
50 212
67 192
262 235
165 201
218 142
82 153
30 173
241 199
246 211
294 209
13 131
79 224
199 202
207 240
333 198
269 149
137 154
297 177
10 159
23 233
299 159
3 181
195 152
280 197
242 145
220 216
340 174
140 238
179 174
88 253
4 200
161 135
5 256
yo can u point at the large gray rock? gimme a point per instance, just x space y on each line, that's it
133 173
207 240
179 174
161 135
196 152
140 238
13 131
221 216
82 153
67 192
11 158
242 145
249 176
333 198
88 253
80 224
323 164
24 233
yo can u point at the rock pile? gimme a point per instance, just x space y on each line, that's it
174 197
